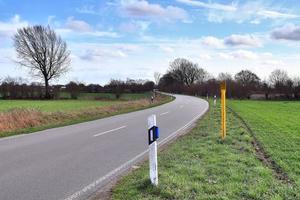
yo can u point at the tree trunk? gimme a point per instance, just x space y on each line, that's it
47 92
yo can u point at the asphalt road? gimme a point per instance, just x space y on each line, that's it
72 162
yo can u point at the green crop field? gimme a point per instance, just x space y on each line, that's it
53 105
277 127
201 166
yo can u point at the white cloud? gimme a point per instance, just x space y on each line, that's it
288 32
8 28
215 6
242 40
232 41
239 54
87 9
77 25
212 42
74 27
135 27
101 55
277 63
144 9
253 12
167 49
275 14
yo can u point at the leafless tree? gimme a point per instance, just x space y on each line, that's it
43 52
278 78
247 78
186 72
224 76
157 77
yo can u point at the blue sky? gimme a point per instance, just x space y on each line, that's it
135 38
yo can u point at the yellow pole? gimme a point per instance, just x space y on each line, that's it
223 110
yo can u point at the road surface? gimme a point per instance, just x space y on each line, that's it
74 161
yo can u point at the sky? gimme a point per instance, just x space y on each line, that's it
119 39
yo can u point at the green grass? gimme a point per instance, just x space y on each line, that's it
53 105
85 101
277 125
109 96
66 112
200 166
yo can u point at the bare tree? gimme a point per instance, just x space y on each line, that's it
43 52
247 78
278 78
224 76
157 77
186 72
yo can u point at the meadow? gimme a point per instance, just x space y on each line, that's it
53 105
84 101
26 116
199 165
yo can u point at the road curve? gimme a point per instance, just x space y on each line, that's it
72 162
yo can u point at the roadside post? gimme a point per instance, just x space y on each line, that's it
215 100
153 135
223 110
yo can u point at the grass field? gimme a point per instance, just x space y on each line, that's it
108 96
201 166
53 105
277 127
26 116
85 101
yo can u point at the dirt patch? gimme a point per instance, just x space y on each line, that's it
262 155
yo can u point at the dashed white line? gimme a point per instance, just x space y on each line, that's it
164 113
112 130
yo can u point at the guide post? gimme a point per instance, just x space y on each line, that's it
153 135
223 110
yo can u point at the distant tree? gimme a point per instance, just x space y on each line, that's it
224 77
148 86
247 81
186 72
278 78
74 89
43 52
247 78
296 84
266 89
157 77
117 87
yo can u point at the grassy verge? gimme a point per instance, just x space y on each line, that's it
200 166
28 120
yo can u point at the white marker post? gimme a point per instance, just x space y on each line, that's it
215 100
153 134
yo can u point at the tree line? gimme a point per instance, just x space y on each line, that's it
184 76
18 88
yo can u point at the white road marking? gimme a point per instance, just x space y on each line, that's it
103 133
127 164
164 113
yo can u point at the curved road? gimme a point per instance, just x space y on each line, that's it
72 162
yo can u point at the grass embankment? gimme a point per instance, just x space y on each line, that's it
200 166
19 116
277 126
